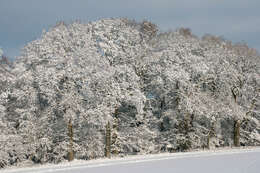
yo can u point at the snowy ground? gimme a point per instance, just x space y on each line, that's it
219 161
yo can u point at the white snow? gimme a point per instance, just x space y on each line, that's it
217 161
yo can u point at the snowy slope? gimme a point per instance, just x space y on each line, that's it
224 161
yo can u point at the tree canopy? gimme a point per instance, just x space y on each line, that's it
161 91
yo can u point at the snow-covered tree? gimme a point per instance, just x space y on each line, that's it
160 92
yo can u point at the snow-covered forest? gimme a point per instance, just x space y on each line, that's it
153 91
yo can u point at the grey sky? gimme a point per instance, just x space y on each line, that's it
22 21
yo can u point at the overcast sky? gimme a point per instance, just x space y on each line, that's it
22 21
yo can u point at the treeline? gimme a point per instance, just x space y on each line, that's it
159 91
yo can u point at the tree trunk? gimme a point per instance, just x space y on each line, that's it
211 135
70 153
108 141
237 133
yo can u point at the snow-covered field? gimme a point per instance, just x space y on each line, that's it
219 161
